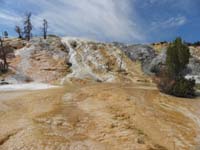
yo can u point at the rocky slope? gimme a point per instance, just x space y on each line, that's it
57 60
141 53
39 60
61 60
99 62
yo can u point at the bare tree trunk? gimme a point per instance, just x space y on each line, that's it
45 35
28 26
45 27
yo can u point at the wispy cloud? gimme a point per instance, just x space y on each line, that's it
96 19
9 17
169 23
105 19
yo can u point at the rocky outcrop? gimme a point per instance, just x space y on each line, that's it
38 60
142 53
43 60
194 65
152 60
97 61
157 62
15 43
195 52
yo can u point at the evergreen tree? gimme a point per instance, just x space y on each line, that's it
178 55
172 79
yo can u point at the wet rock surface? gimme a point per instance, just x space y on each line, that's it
98 117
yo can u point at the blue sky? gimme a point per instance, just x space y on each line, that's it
129 21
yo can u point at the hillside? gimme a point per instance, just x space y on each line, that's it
63 60
78 94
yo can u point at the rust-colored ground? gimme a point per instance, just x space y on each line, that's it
98 117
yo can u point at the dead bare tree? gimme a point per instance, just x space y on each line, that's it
3 56
19 31
45 27
28 26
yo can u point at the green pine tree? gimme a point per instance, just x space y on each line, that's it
172 79
178 56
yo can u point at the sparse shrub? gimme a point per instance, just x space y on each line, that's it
73 44
164 82
52 35
183 88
